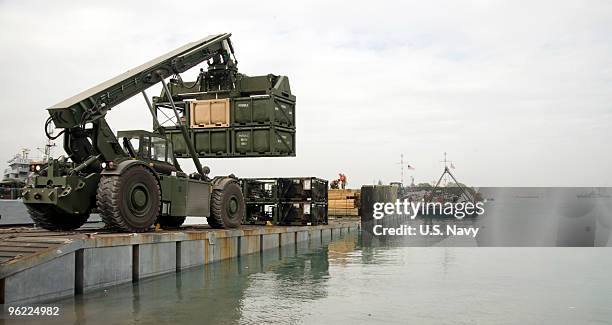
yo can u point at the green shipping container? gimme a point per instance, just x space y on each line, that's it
178 142
263 109
207 142
212 141
263 141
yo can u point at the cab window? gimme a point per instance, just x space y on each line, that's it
158 149
132 146
146 145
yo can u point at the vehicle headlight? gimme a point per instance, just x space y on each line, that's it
103 165
37 168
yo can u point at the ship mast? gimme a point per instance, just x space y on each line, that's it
447 171
402 168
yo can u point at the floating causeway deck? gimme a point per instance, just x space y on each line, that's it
38 265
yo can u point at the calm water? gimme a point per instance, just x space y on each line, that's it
341 282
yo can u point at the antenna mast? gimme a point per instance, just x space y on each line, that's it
402 168
446 170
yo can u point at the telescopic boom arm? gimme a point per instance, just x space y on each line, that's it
91 106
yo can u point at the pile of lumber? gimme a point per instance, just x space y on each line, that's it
343 203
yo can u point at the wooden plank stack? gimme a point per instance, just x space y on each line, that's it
343 203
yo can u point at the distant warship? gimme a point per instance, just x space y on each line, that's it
15 175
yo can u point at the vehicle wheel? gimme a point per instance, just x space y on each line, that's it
213 223
130 201
52 218
227 207
169 222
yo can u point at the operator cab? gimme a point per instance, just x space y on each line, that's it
149 147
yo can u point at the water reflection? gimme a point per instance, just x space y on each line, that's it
343 281
227 292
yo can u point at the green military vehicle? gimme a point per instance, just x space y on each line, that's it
134 180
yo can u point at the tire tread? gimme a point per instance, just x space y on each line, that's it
107 199
51 218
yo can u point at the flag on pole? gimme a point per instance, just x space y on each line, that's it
410 167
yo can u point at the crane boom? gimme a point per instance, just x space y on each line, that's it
91 106
133 179
93 103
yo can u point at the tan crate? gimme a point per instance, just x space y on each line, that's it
213 113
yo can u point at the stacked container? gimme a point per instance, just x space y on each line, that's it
260 122
285 201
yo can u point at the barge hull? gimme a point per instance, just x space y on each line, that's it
38 265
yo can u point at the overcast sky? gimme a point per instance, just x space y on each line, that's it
517 93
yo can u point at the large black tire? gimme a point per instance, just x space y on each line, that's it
213 223
52 218
131 201
169 222
227 208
